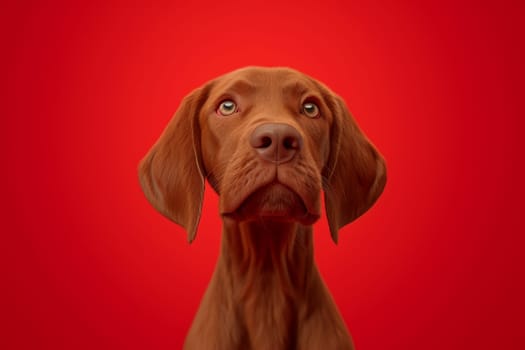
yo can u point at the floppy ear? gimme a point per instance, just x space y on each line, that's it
355 172
171 174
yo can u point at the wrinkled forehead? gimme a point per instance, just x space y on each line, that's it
282 81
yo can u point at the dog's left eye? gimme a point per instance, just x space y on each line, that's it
227 107
310 110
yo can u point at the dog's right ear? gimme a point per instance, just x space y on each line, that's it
171 174
355 171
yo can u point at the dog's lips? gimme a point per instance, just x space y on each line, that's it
275 202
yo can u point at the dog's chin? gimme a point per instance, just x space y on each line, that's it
273 202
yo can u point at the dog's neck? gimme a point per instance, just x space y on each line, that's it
270 266
269 252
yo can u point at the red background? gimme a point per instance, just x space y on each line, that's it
86 90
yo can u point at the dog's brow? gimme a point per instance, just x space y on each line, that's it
295 89
241 86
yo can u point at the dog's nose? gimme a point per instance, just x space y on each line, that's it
277 143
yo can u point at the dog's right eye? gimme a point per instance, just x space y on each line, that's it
226 108
311 110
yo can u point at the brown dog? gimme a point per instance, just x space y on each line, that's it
268 140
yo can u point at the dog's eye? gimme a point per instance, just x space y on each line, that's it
227 107
310 110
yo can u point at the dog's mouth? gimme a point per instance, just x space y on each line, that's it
273 202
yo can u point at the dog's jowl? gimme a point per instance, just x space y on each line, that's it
269 141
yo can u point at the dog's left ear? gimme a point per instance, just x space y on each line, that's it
355 172
172 174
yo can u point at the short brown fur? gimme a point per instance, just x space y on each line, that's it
266 291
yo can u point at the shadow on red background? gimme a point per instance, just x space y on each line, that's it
437 263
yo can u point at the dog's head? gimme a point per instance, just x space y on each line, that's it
268 140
